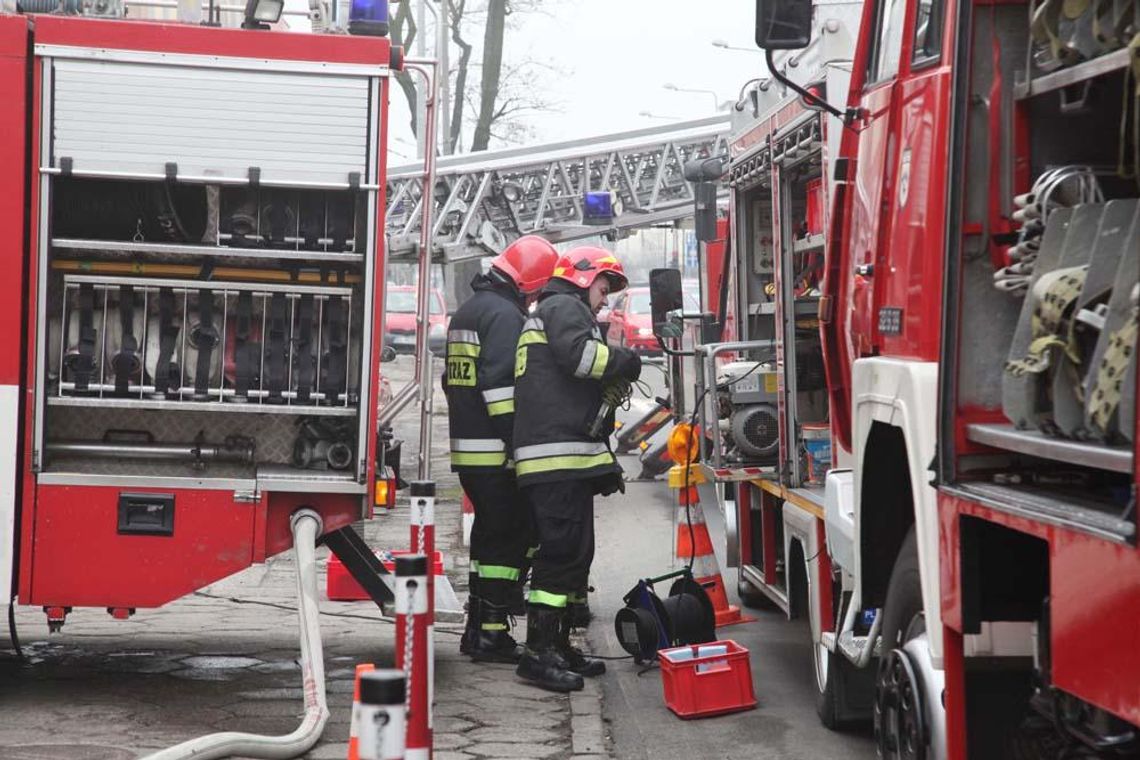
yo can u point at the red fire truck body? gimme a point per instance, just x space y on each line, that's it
972 551
182 389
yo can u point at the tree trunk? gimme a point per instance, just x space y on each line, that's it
404 37
492 71
459 94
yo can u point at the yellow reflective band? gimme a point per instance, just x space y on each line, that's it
567 462
576 598
545 597
493 626
530 337
469 459
501 407
463 349
600 361
499 573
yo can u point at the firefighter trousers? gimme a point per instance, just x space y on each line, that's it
501 535
564 522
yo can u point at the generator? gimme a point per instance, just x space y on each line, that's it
748 421
204 280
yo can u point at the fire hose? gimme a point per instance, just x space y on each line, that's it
306 526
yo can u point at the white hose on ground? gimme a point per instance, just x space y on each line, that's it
306 525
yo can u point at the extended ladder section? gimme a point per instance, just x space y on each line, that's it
486 200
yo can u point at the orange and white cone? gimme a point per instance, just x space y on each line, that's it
693 543
354 723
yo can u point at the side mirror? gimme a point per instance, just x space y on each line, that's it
664 296
387 354
783 24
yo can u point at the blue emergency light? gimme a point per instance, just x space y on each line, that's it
368 17
597 208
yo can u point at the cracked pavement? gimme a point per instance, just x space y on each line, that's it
225 659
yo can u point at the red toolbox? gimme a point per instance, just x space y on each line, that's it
340 586
707 679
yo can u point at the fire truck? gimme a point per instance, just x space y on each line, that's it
194 264
921 419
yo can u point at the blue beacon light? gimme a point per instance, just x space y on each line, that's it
368 17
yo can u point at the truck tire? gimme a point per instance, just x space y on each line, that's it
751 597
845 695
903 620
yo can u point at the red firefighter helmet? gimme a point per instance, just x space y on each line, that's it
582 266
528 261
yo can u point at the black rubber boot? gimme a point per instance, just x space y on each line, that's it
580 615
492 641
517 604
471 631
542 664
579 662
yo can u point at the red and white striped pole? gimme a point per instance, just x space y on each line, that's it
381 715
423 542
413 650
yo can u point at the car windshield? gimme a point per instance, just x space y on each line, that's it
638 303
404 302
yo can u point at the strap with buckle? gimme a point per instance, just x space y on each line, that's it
276 347
205 337
84 364
304 348
126 362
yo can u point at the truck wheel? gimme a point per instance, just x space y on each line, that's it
845 693
750 597
899 712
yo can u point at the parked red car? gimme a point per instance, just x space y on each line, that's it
631 321
400 319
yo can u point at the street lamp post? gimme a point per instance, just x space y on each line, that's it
674 88
725 46
648 115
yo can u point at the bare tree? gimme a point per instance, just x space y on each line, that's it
505 92
492 70
403 32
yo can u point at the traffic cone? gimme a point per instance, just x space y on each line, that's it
694 544
354 723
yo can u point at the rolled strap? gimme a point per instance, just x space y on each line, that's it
168 331
1055 295
84 364
125 363
304 345
1108 386
243 359
205 340
276 345
335 364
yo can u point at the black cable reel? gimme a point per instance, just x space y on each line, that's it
648 623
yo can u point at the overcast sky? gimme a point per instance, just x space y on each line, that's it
618 55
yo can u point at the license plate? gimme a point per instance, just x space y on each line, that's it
403 340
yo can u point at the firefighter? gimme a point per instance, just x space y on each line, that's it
479 383
563 371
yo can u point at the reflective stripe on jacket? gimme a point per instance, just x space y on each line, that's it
561 365
479 374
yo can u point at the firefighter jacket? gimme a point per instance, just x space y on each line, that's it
479 376
560 370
